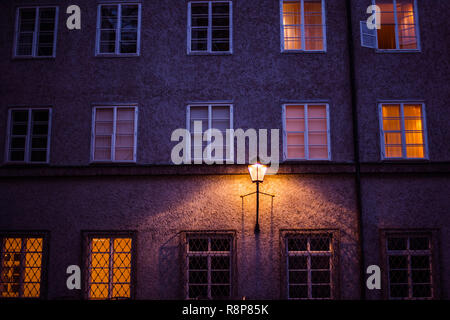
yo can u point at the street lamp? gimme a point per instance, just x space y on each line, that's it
257 172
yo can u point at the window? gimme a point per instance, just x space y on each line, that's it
403 131
114 134
398 25
36 32
210 27
21 267
310 266
209 116
109 267
208 261
29 135
303 25
118 29
306 132
409 260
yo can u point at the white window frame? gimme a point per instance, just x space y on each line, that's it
303 50
408 253
208 254
306 143
308 253
28 139
117 52
188 128
402 130
397 49
113 137
35 33
209 40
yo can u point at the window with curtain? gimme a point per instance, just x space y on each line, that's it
21 267
36 32
306 132
29 135
410 266
114 134
403 130
209 26
398 25
303 25
118 29
109 267
211 116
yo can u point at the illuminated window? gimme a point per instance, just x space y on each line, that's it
110 268
114 134
303 25
21 267
310 266
398 25
409 262
29 135
118 29
210 27
211 116
403 130
209 260
36 32
306 132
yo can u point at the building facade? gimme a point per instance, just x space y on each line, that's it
88 179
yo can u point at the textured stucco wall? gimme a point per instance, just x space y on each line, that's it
407 202
256 77
158 208
422 76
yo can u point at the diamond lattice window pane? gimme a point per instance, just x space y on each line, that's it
198 263
21 266
198 244
100 245
320 244
110 269
99 291
220 244
121 291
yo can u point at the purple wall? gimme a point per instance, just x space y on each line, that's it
69 195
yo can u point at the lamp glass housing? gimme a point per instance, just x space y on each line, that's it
257 172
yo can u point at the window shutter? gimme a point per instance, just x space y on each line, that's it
368 37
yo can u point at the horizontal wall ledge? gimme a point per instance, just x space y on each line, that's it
149 170
203 169
405 167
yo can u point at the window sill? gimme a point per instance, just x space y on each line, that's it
405 160
397 51
306 161
302 51
111 163
199 53
25 164
106 55
20 58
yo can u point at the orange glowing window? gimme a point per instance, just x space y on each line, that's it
398 25
303 25
403 130
21 267
110 268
